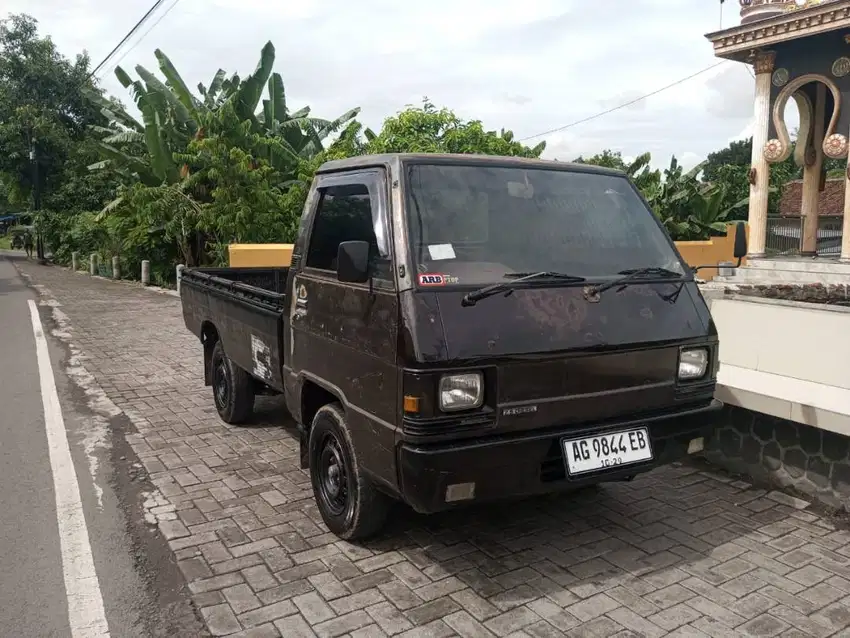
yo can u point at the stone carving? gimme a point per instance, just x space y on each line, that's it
802 4
763 61
747 36
806 110
806 131
841 67
810 155
774 150
780 77
835 146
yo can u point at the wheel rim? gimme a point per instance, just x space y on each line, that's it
333 476
221 388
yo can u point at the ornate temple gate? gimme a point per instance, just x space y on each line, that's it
799 50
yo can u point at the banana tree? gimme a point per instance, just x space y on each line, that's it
709 214
172 117
303 134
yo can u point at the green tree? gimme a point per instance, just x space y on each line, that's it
738 153
730 166
200 172
639 170
43 107
427 129
173 117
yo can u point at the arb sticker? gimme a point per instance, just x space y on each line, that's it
432 279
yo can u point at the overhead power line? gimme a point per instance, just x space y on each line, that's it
623 105
145 34
129 35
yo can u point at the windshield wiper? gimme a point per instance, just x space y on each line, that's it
632 274
471 298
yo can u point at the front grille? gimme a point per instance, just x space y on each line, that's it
448 426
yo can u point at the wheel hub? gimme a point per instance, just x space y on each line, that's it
333 479
333 476
220 383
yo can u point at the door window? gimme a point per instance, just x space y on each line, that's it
348 212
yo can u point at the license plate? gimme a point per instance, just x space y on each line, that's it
607 451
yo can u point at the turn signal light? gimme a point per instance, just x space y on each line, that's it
411 404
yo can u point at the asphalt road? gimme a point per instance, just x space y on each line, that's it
31 583
34 594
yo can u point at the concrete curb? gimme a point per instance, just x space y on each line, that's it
126 282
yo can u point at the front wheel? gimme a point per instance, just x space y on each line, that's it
349 503
233 389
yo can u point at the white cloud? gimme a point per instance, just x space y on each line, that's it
688 160
527 66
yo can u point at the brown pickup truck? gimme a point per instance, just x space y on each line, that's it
456 329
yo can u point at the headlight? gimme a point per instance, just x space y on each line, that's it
461 391
693 363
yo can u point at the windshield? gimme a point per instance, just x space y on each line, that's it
470 225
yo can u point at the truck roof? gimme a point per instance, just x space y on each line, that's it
395 160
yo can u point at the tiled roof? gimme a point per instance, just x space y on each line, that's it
830 201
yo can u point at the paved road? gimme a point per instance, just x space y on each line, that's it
34 595
680 552
32 591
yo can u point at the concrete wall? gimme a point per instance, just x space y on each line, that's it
786 358
810 460
710 252
785 378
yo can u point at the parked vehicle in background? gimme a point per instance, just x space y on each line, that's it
457 329
18 235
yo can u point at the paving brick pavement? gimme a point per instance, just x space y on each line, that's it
678 552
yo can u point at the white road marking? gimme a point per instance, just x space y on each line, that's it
82 589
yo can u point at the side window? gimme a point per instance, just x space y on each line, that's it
345 213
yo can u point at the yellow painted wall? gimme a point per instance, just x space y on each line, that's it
696 253
710 252
260 255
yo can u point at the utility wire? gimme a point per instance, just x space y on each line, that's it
145 34
624 105
129 35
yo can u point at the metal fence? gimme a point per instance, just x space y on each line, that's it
785 236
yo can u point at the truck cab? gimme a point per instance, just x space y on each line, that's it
455 329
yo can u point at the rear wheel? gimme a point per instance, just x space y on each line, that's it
349 503
233 388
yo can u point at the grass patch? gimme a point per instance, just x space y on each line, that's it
5 242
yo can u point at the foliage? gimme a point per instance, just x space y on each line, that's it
202 172
731 166
688 207
427 129
639 170
43 108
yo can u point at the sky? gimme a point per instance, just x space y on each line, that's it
529 66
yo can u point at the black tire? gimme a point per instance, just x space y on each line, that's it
233 388
349 503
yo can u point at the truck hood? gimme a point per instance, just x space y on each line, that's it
551 320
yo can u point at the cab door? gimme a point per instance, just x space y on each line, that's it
344 336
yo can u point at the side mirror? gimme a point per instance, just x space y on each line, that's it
352 262
740 241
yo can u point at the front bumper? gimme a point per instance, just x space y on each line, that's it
510 467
